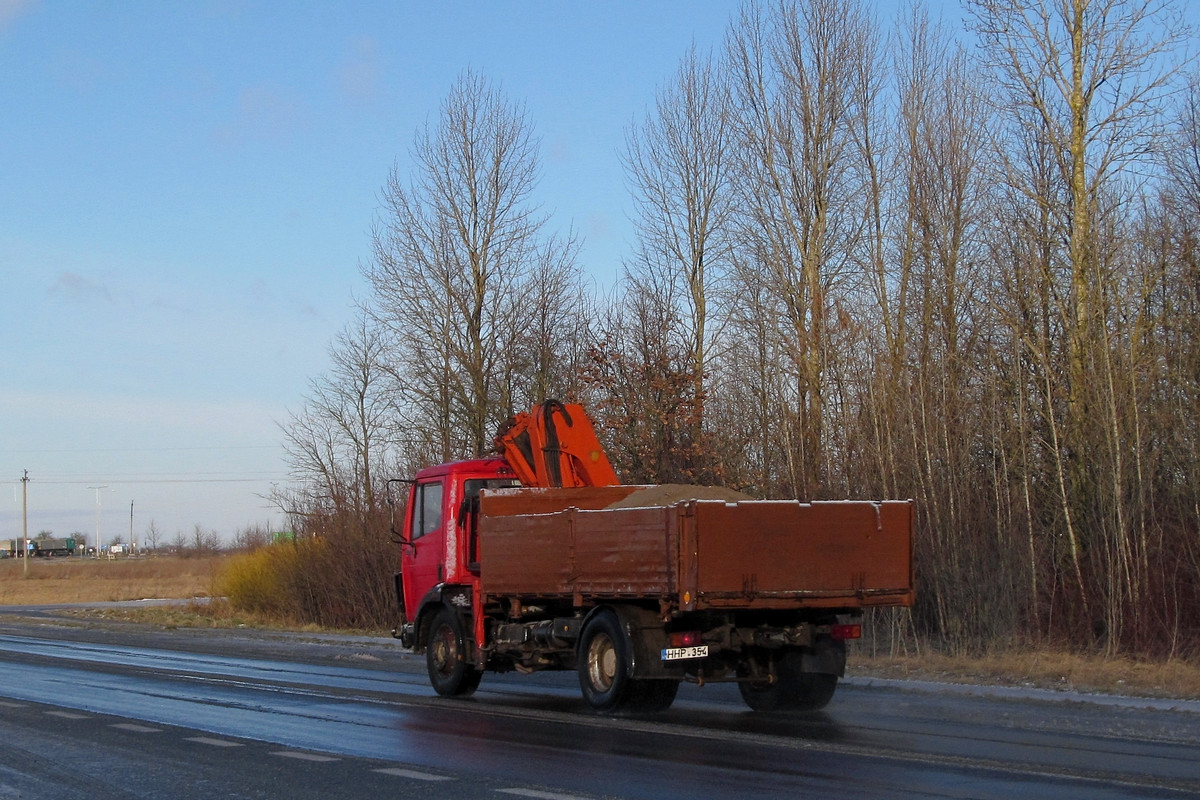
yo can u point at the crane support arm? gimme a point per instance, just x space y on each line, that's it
555 445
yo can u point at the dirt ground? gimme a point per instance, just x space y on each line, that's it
86 580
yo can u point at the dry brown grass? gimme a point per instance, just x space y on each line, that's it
1046 669
202 613
90 580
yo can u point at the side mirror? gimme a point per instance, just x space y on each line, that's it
397 537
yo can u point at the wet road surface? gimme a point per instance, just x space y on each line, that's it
254 714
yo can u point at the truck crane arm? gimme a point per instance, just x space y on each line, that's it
555 445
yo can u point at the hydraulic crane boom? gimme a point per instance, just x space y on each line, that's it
555 445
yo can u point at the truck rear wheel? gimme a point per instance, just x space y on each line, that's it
791 690
604 678
604 663
445 657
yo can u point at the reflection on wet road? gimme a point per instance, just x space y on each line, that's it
366 699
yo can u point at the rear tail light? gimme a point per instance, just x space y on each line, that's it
843 632
685 639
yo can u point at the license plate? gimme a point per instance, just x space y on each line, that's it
677 653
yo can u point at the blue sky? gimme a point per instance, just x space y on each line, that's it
186 197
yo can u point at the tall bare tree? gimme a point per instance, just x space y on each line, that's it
678 161
452 253
1083 84
797 83
343 436
924 394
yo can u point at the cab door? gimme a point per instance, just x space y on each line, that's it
424 560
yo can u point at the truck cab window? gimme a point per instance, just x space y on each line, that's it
427 510
472 488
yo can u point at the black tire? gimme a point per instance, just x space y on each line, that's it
812 691
655 695
792 690
604 650
604 663
765 695
445 657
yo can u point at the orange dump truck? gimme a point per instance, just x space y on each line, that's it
635 592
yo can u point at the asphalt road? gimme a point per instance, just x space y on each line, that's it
90 710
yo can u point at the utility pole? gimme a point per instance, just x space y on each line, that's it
98 488
132 544
25 517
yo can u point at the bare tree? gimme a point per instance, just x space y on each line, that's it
923 395
251 537
205 542
1087 78
678 163
152 535
796 82
550 349
1083 84
452 256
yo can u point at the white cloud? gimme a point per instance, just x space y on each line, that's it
73 286
359 74
263 113
11 9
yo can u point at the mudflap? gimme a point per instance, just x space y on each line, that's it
648 637
827 657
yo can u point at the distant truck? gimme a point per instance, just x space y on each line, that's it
47 548
38 548
13 548
538 560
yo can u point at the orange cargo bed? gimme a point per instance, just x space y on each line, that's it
695 554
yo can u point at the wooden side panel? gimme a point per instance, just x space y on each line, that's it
759 552
625 552
611 553
525 555
753 554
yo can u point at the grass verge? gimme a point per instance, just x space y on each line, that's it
91 580
74 580
1042 669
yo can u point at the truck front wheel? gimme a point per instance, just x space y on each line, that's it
445 656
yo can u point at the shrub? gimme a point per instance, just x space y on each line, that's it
339 576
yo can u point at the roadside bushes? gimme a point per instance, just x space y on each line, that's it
258 582
337 573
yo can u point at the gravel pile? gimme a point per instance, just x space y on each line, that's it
667 494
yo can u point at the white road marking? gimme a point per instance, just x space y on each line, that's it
412 773
67 714
7 704
213 742
542 795
303 756
129 726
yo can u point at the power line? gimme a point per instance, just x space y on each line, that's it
151 449
266 478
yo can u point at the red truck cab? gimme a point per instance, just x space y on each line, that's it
439 537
